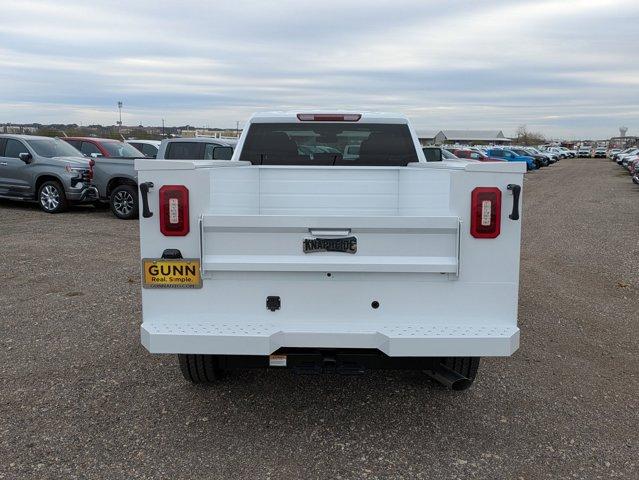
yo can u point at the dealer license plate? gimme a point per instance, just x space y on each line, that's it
171 273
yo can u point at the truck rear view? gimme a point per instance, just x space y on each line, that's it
328 243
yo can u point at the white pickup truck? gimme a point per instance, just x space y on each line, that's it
294 255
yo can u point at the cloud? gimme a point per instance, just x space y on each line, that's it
565 67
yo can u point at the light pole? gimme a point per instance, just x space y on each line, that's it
162 128
120 121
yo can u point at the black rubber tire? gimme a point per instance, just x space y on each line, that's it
50 189
128 192
200 369
466 366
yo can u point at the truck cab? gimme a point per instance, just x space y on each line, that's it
310 259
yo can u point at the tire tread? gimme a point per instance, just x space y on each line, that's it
199 369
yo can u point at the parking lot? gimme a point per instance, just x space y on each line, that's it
81 398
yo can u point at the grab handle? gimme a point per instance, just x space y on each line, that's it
329 232
144 189
516 189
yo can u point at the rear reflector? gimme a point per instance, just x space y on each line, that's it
174 210
485 212
328 117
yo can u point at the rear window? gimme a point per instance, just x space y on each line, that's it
197 151
121 150
329 144
432 154
183 151
148 149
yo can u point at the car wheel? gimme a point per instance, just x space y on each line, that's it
51 197
200 369
124 202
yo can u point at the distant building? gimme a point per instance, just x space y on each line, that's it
21 129
624 142
467 137
209 133
427 137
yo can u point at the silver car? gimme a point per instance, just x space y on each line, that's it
46 170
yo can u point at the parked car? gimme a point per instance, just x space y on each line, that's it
116 178
476 155
628 159
635 171
600 152
630 153
148 147
540 160
568 152
556 151
104 147
584 151
438 154
613 151
615 156
511 156
114 173
551 157
198 148
46 170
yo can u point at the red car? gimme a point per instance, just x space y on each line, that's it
104 147
475 155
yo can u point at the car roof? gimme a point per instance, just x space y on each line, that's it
223 142
25 137
148 142
89 139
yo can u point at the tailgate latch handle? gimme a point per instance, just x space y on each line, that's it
144 190
329 232
516 189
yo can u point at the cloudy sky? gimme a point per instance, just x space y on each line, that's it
564 68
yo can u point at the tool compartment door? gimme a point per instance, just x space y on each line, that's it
275 243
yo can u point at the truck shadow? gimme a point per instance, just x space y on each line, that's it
285 391
326 406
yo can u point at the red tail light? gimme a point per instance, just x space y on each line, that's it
91 165
174 210
485 212
328 117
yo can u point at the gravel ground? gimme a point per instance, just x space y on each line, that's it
81 398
